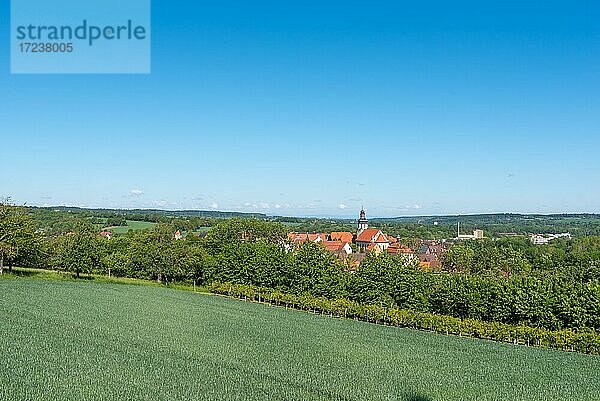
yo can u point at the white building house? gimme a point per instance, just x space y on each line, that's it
477 234
543 239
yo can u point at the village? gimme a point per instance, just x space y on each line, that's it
353 247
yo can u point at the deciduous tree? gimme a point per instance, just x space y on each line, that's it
16 232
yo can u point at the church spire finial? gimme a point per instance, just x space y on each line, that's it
363 223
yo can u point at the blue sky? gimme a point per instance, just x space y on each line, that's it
317 108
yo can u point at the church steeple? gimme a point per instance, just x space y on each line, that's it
363 223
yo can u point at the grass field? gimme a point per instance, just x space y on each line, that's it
132 225
67 340
291 224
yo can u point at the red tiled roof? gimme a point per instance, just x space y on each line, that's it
372 235
382 239
334 245
343 236
367 235
299 238
398 248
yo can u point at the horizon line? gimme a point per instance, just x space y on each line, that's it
315 216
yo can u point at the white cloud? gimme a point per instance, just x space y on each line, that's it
308 206
408 208
136 192
214 205
342 206
262 205
161 203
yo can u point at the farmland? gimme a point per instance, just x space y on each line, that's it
85 340
132 225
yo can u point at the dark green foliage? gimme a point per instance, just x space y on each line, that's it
485 257
115 221
550 303
312 269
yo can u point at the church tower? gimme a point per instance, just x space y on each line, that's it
363 223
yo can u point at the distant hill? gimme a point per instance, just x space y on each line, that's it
489 218
498 224
580 224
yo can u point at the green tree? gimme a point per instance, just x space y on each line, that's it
458 258
159 243
249 230
199 264
16 232
312 269
78 251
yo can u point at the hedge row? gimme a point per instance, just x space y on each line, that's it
582 340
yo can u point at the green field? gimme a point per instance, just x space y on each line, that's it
132 225
81 340
291 224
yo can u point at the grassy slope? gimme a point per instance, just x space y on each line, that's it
85 340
